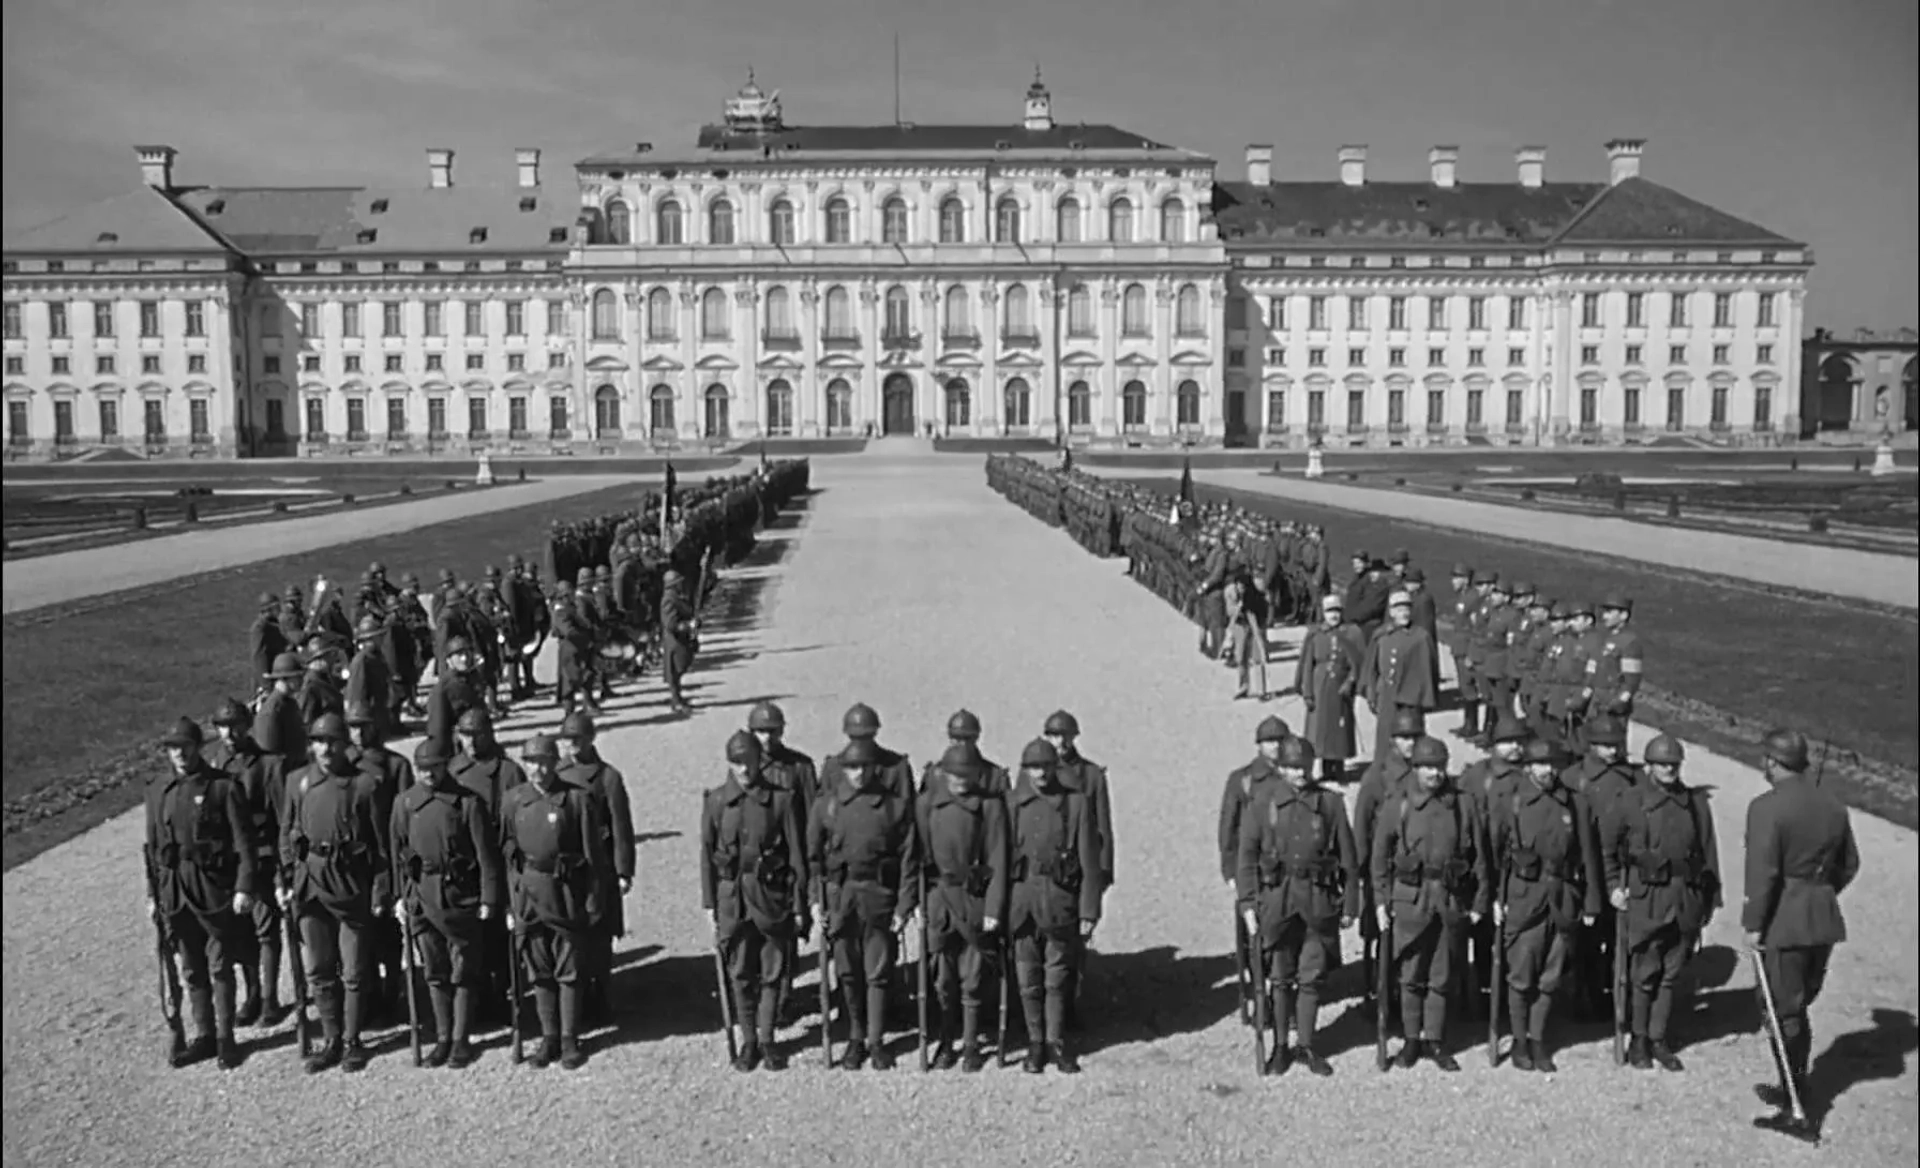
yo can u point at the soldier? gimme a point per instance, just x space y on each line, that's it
1576 666
1398 670
1426 618
1479 704
1388 777
1487 784
319 688
1614 668
864 856
265 638
679 636
963 830
753 877
276 724
1602 778
1299 884
1331 661
1243 786
262 779
1431 876
412 633
453 693
860 721
1547 882
446 880
482 767
1461 607
552 836
1528 657
386 775
1663 872
795 771
1800 857
1062 732
200 874
1367 594
529 624
1209 596
1495 634
370 674
1055 899
582 766
333 844
573 633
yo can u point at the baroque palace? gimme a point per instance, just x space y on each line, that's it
1071 281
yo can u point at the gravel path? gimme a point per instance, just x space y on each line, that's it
1883 578
910 587
67 576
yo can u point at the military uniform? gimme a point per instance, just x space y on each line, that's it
1489 784
482 767
1332 659
1396 674
1600 782
964 836
1055 898
587 769
1615 668
1243 786
678 636
262 778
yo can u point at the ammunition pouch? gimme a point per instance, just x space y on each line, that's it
1699 875
885 872
168 856
1655 873
1525 864
979 879
1409 871
351 851
459 871
774 872
1064 870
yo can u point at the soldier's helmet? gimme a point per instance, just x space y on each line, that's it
1665 750
369 628
962 760
1538 750
493 571
268 602
286 665
860 721
576 726
1560 610
428 755
1061 722
1295 753
1463 571
767 716
859 751
744 748
232 713
185 732
540 748
1429 752
292 592
964 724
1619 600
514 561
1605 730
475 720
328 728
1401 556
360 714
1272 729
1408 723
1039 753
583 576
1520 588
1786 747
1509 728
1580 608
446 575
376 569
458 645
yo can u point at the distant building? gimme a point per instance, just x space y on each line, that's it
1862 387
1039 277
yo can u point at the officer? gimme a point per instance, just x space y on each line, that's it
753 877
573 634
1461 606
1062 731
1329 671
1614 670
333 844
1055 899
1800 857
1299 884
1547 886
446 879
265 638
1577 695
200 875
482 767
864 853
1476 691
1431 875
963 825
386 775
262 779
1398 670
582 766
552 836
1489 784
412 633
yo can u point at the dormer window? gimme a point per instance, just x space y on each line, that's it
477 235
367 235
1419 204
378 207
529 203
216 207
557 235
108 237
1436 232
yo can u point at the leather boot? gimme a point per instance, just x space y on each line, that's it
749 1055
1279 1059
250 1011
1315 1063
877 1028
1409 1055
1664 1057
1441 1058
971 1060
226 1049
1064 1059
1036 1060
572 1055
854 1056
442 1049
1542 1058
545 1054
1637 1056
327 1006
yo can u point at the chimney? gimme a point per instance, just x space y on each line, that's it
1623 159
529 163
156 166
1532 161
1353 166
439 168
1442 160
1260 165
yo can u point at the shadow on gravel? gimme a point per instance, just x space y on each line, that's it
1862 1056
1714 1011
667 998
1151 994
662 715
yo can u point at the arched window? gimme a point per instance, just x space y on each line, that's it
899 313
1120 220
660 315
839 406
893 220
1838 381
958 322
660 411
1079 406
1006 220
839 221
713 315
953 220
606 412
779 408
1133 311
1187 403
1080 311
720 222
619 222
1173 221
1019 411
1067 220
1019 312
668 227
606 315
1133 405
716 413
959 403
1189 321
780 316
1910 395
780 223
839 314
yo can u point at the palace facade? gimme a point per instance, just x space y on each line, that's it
1045 278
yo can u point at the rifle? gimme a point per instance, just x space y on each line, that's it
1383 990
826 994
1778 1039
726 1000
169 986
513 979
920 990
1619 987
296 964
1496 991
1005 953
413 997
1244 975
1261 1007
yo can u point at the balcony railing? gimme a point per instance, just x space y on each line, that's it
899 338
1020 336
560 434
398 436
519 434
780 338
1512 429
479 435
839 339
960 337
1762 425
356 435
1439 427
1633 426
660 337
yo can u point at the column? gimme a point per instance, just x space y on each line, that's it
810 388
1107 383
1559 309
991 414
1789 393
687 394
748 416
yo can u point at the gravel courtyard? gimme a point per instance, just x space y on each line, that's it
904 583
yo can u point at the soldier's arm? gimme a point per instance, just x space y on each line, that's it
1088 844
1847 861
1350 874
486 850
240 825
709 843
998 845
383 834
1385 834
1229 835
795 831
817 852
1709 848
910 860
1103 815
289 815
1303 667
1612 837
1246 855
1370 668
1586 842
622 816
1473 824
1632 664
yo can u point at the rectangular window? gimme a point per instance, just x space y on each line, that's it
1766 310
396 363
434 363
1719 407
1357 408
1356 313
1516 313
1677 310
1516 407
1356 356
1722 353
149 318
516 362
14 328
1590 310
432 318
16 366
270 364
1397 313
310 363
19 433
1633 354
1317 312
109 418
350 320
196 362
1436 407
475 322
556 415
356 419
1476 356
199 423
1436 314
1477 312
1763 407
1277 313
1589 354
103 366
1236 312
1397 358
396 417
62 365
1589 407
102 319
556 318
1276 410
556 360
1636 309
316 419
1676 409
270 320
150 364
1316 409
1676 354
1723 310
1516 357
1316 357
476 362
516 318
156 420
351 362
1436 357
1237 357
517 416
436 417
391 322
1631 410
1763 354
57 320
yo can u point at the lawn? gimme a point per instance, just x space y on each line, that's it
1486 461
1728 657
798 447
1891 504
338 471
991 445
88 686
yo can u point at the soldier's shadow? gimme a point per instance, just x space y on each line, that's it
1862 1056
1713 1009
662 997
1149 994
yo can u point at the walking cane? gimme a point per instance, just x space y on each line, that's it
1778 1038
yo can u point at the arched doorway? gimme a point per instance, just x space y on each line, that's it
959 404
896 404
660 411
606 412
718 419
1837 381
1910 395
1019 412
779 408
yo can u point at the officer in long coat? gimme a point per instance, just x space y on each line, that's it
963 827
1801 856
1062 730
200 875
1299 882
1055 900
1603 777
446 880
1398 670
582 766
482 766
896 770
1489 784
753 880
1331 658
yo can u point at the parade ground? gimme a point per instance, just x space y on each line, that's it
902 582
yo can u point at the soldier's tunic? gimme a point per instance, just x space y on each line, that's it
1466 602
1054 874
1430 865
1615 669
1549 877
963 829
1497 632
446 865
1090 779
490 774
609 786
1566 678
1385 780
1487 784
262 780
370 683
1327 676
864 853
1657 843
1242 787
753 873
199 852
552 842
1297 866
265 641
334 844
1397 674
1600 785
453 694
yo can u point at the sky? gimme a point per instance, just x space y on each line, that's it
1798 116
